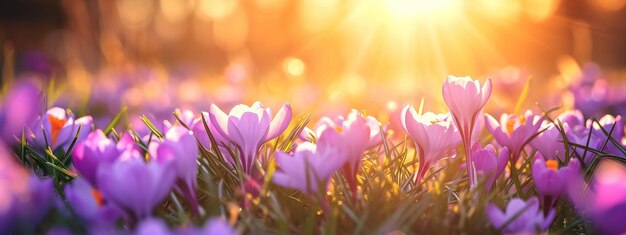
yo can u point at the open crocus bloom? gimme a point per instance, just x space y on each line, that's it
249 127
435 136
60 128
181 148
514 131
520 217
309 169
487 164
551 181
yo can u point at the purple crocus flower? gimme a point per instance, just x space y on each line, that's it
18 109
549 142
153 226
466 98
181 148
514 131
309 168
212 226
435 136
608 123
89 204
249 127
487 164
520 217
354 135
135 185
25 199
605 203
550 181
60 128
96 149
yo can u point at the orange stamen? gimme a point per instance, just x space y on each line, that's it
338 129
96 195
56 124
552 164
509 126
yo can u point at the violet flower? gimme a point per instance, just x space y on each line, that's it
88 203
96 149
135 185
435 136
466 98
549 142
249 127
181 148
604 200
514 131
18 109
608 123
550 181
520 217
25 199
487 164
60 128
310 167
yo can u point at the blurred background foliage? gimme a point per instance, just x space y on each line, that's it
323 56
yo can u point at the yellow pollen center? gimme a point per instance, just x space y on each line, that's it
56 124
552 164
509 126
339 129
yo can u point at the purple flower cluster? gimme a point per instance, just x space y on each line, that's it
115 181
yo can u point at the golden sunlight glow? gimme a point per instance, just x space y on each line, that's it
426 9
293 66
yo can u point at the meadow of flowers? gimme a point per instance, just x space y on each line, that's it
257 170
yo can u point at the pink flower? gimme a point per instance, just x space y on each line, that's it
487 164
466 98
310 168
514 132
354 134
374 126
435 136
249 127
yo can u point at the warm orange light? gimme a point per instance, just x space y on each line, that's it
426 9
609 5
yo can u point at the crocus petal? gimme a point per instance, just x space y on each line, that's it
279 122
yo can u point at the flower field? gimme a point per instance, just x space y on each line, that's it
312 117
